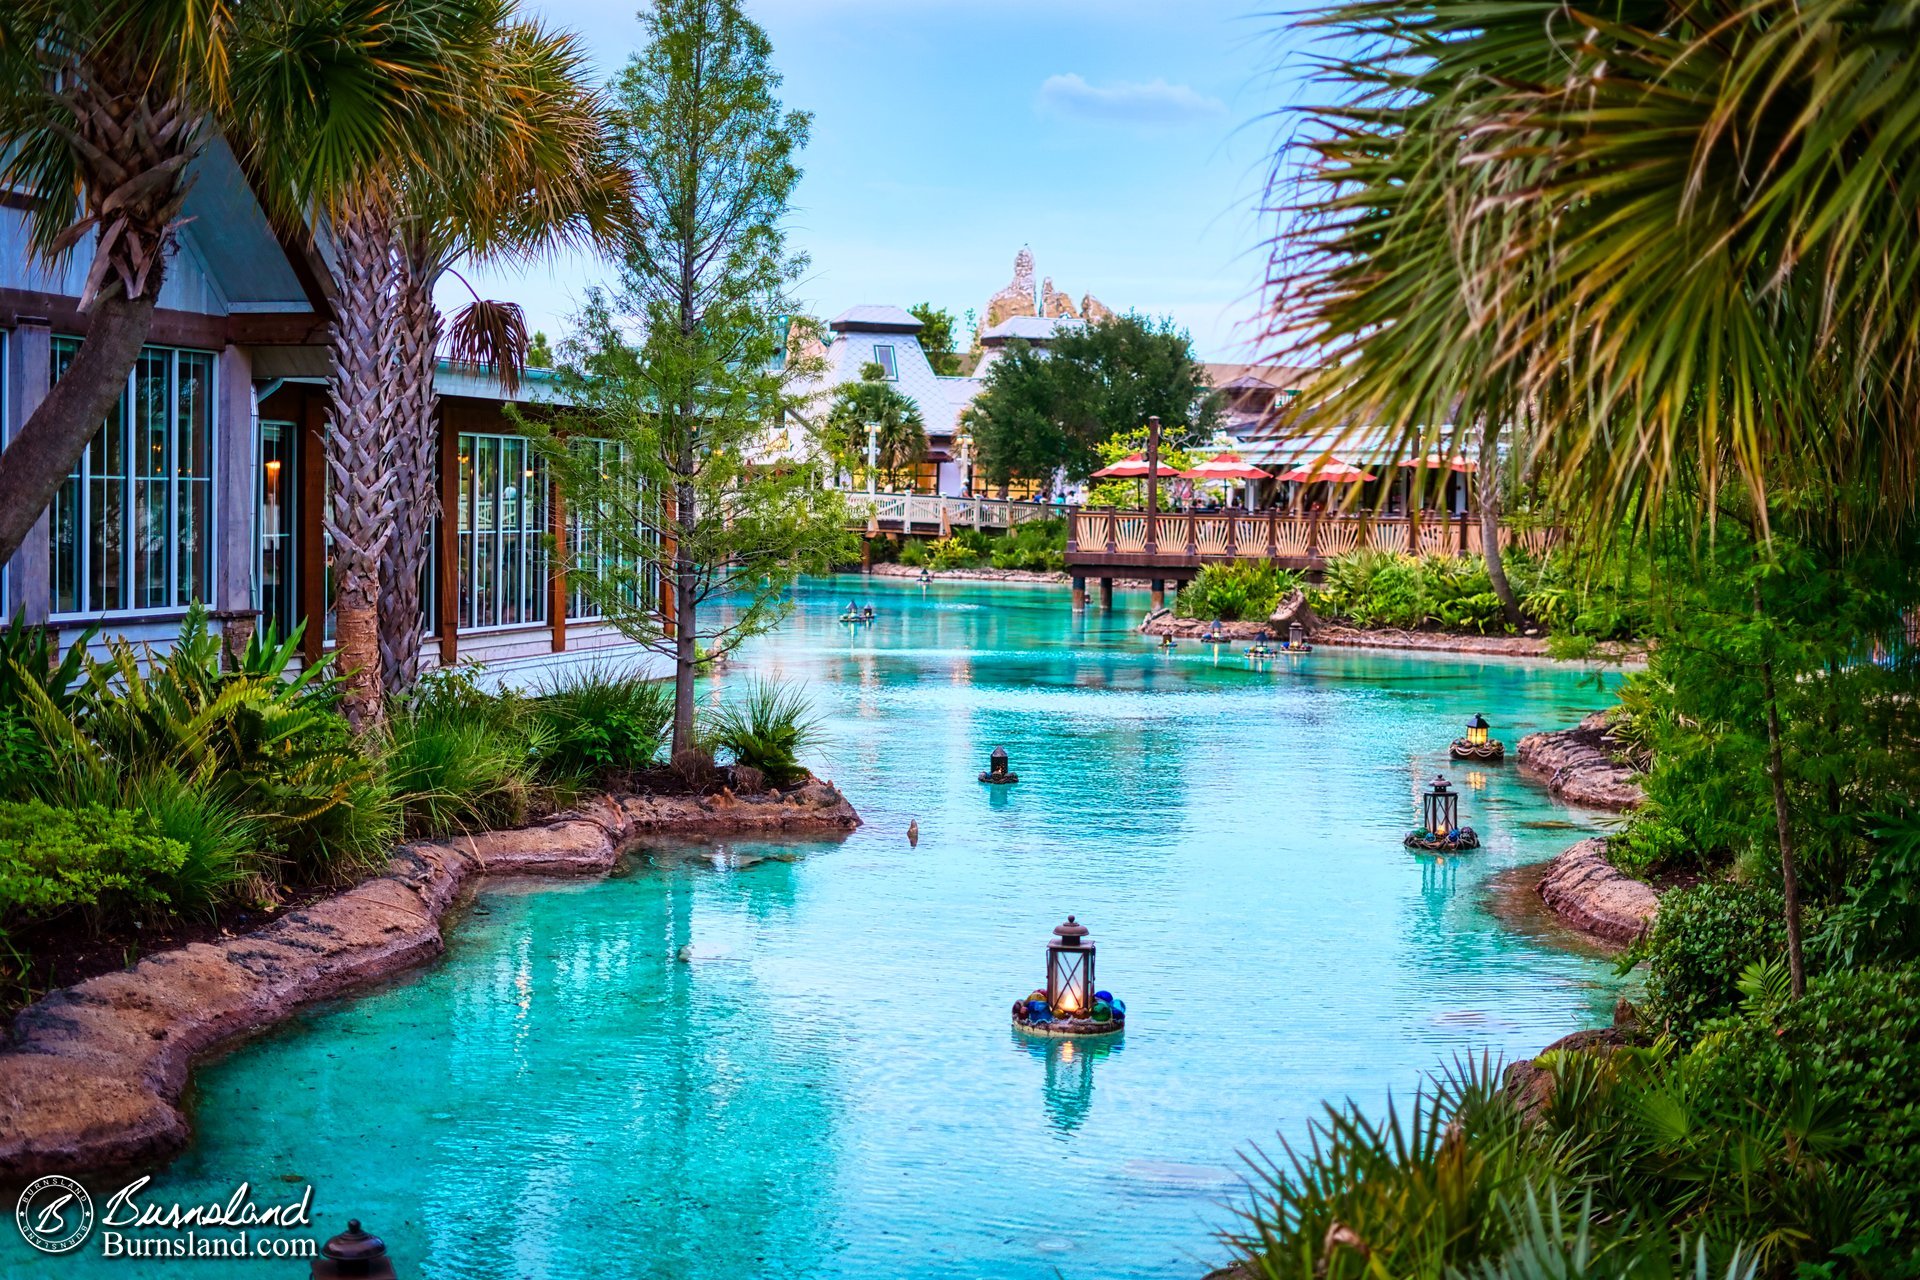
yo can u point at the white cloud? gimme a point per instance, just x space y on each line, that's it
1155 104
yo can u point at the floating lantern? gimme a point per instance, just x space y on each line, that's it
1476 745
1440 814
1070 1005
353 1253
1296 636
997 772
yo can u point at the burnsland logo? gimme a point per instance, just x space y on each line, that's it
54 1214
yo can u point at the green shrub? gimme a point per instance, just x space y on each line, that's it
1844 1060
105 864
913 553
224 846
1039 545
955 553
1240 591
595 719
1702 939
457 774
768 730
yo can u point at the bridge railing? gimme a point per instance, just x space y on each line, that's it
1278 535
903 511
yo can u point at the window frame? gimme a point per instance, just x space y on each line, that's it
135 489
890 366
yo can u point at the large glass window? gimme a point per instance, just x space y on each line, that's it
503 531
279 498
889 367
591 552
129 527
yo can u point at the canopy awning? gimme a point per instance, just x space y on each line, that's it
1227 466
1134 467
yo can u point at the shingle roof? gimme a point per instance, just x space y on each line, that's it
875 318
1029 328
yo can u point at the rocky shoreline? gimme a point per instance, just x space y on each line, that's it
1581 765
91 1076
971 575
1334 635
1594 896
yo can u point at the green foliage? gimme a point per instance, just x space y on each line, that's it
1878 919
104 864
936 337
1240 591
1702 940
689 362
1133 493
768 730
899 443
1039 545
596 720
224 847
913 553
1043 412
1854 1043
452 774
1374 588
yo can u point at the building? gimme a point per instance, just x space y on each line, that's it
207 482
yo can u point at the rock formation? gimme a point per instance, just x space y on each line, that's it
1594 896
1054 304
1017 298
1579 765
1094 311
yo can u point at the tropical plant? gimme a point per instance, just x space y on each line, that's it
900 433
704 280
103 863
450 774
105 108
1549 218
1239 591
527 171
768 730
1702 941
597 719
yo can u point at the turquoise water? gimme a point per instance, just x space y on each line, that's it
829 1086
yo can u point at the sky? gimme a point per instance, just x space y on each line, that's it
1126 143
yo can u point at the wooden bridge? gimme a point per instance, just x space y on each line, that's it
1173 546
932 513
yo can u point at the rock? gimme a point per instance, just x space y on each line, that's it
1017 299
92 1075
1594 896
1530 1085
1294 608
1578 765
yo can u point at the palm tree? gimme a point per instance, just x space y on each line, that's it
104 106
901 441
530 171
1679 238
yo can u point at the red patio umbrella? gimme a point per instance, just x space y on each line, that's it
1434 460
1327 471
1134 467
1226 466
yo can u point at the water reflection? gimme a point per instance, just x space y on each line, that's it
1068 1068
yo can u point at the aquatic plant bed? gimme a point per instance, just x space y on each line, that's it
93 1074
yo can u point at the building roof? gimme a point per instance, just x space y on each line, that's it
1028 329
874 318
1249 377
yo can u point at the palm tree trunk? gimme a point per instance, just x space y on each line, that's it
44 449
416 496
359 450
134 141
1488 489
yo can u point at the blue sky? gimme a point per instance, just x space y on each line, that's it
1126 143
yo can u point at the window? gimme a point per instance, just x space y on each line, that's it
130 526
503 530
889 367
591 552
279 495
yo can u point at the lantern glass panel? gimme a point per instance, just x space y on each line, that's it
1476 733
1070 979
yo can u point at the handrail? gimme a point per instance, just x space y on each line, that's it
905 510
1269 535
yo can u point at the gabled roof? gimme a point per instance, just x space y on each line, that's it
1028 329
873 318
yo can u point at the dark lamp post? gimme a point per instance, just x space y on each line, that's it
1440 807
354 1253
1070 970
